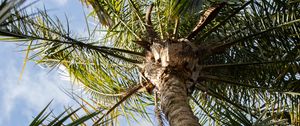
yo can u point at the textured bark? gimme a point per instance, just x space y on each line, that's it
172 67
174 102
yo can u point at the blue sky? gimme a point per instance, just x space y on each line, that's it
21 100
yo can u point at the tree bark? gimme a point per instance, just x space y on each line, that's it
174 102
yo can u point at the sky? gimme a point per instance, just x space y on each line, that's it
21 100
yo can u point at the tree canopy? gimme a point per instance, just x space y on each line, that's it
249 53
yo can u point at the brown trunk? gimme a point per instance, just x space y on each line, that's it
174 102
172 67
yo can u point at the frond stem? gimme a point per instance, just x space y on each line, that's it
176 27
206 18
222 47
226 19
215 78
151 32
246 64
130 92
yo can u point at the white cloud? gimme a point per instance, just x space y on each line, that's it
34 91
41 3
60 2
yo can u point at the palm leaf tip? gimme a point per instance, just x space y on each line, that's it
250 57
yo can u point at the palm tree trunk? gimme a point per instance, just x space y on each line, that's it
174 102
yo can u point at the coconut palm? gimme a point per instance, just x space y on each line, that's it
193 62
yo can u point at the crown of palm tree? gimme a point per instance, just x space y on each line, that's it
245 54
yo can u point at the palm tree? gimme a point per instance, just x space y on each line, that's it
197 62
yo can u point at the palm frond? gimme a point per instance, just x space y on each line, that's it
249 56
64 118
260 48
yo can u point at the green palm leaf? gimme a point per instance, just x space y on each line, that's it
248 57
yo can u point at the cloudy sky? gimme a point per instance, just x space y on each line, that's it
21 100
